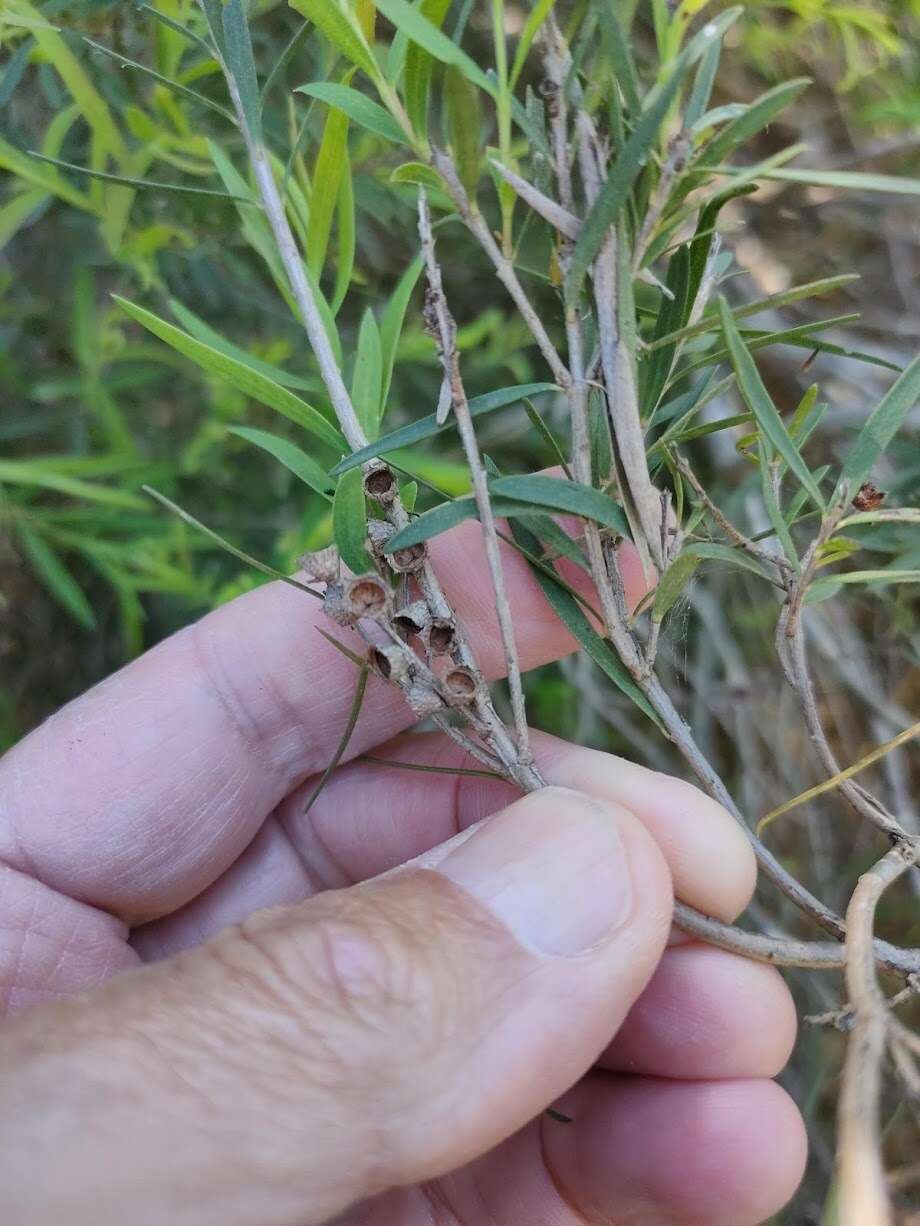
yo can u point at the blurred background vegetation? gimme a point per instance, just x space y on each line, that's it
93 408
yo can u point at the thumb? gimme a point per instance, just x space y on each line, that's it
317 1054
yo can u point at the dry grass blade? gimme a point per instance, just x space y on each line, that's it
829 785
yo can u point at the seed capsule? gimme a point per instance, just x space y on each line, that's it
388 662
324 565
461 685
412 619
441 637
405 561
366 596
380 483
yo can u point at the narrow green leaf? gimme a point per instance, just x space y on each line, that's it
447 515
30 170
18 211
342 29
894 515
175 86
358 107
294 44
710 427
360 661
422 176
14 70
427 427
882 425
420 30
394 316
672 315
619 53
774 511
548 437
566 496
828 585
798 293
761 405
33 473
368 375
347 239
433 522
326 314
127 181
92 105
243 377
672 583
327 177
418 68
761 111
538 15
349 522
705 233
613 195
731 556
214 15
177 27
55 576
702 85
464 124
556 541
847 180
207 335
805 336
262 567
634 155
293 459
597 649
241 63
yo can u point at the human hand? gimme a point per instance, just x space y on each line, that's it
384 1050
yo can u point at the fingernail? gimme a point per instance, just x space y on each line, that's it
552 867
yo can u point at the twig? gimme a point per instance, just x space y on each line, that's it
792 655
713 784
722 519
481 709
679 150
619 376
557 216
784 951
864 1198
504 268
444 330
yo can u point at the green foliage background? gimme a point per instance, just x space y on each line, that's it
94 407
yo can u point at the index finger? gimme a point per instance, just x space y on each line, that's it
139 794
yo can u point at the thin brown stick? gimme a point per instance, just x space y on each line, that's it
444 329
504 268
787 952
863 1194
734 534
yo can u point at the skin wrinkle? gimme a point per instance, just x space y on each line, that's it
240 711
84 941
24 931
312 882
558 1183
316 852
